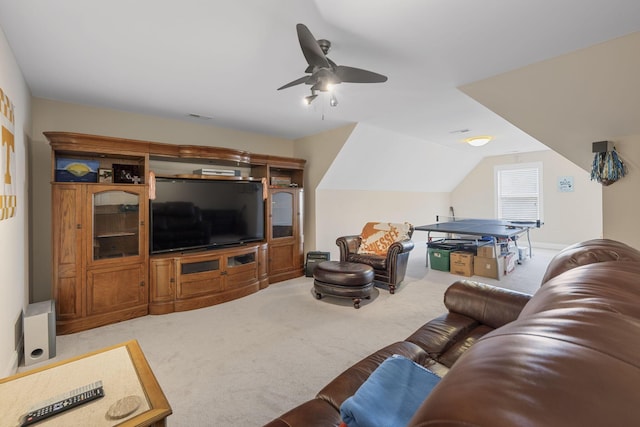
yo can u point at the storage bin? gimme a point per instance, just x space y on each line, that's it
489 267
439 258
465 245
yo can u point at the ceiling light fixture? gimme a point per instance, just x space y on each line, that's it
333 101
478 141
309 99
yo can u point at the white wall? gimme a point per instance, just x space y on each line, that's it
14 247
569 217
379 175
621 200
319 151
344 212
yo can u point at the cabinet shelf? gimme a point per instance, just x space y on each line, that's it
116 234
211 177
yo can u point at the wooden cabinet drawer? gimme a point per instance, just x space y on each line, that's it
241 278
199 284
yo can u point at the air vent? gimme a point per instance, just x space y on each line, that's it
198 116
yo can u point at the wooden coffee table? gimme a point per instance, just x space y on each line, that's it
124 372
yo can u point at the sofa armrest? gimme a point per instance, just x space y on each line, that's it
489 305
348 245
399 247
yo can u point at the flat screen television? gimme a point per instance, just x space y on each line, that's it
189 214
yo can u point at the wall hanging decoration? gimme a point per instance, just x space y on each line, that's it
607 166
565 184
8 198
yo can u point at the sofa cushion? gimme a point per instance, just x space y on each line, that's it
589 252
391 394
376 261
378 236
438 334
346 384
532 380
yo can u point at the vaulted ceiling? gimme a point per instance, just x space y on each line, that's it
224 60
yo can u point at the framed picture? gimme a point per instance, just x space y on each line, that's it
76 170
126 174
105 175
565 184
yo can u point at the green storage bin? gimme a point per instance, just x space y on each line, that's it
439 258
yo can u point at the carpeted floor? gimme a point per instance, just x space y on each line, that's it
244 362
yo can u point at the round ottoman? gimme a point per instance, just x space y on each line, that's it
343 279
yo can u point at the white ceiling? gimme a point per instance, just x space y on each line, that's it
225 59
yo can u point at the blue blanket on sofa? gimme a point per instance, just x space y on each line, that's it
390 396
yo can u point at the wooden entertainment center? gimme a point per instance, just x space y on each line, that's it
102 270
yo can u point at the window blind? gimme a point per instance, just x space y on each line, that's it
518 194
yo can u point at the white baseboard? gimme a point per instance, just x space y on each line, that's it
12 366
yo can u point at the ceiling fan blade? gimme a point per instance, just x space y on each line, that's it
357 75
295 82
310 48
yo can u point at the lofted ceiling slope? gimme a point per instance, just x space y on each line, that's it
573 100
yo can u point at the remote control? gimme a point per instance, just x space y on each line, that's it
63 403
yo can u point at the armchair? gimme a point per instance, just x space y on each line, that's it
383 246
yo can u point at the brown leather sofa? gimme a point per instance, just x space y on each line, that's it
390 269
568 356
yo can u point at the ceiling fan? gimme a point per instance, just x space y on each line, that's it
324 73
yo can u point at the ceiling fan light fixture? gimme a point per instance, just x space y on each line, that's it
324 73
478 141
333 101
323 86
309 99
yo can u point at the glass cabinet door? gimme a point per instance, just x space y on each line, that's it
116 224
282 214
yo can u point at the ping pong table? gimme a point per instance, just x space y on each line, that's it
497 228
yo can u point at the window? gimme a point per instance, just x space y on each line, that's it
518 189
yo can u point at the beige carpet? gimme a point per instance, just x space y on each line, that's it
244 362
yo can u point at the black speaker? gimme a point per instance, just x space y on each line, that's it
313 259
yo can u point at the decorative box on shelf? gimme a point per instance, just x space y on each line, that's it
281 181
126 174
217 172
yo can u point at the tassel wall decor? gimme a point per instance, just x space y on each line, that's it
607 167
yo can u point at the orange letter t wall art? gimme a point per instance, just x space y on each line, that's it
8 200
